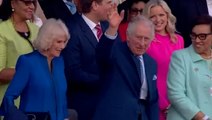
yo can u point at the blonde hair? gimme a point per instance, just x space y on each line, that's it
170 27
49 31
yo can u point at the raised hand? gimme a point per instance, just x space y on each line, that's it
114 19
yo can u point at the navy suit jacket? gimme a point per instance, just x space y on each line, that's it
120 70
186 11
81 68
55 9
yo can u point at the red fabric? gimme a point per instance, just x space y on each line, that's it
122 31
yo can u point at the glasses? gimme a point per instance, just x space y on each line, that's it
28 2
201 36
136 11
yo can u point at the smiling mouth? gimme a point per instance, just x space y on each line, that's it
198 45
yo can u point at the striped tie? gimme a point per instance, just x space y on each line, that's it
99 31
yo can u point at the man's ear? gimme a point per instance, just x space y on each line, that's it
94 5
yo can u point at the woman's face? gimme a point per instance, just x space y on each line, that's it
24 9
57 46
201 37
136 9
160 19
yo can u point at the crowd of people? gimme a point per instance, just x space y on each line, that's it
98 60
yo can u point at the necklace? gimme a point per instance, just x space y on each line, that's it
26 34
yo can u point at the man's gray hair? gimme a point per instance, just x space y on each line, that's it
140 20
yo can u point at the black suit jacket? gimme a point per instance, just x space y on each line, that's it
55 9
186 11
81 68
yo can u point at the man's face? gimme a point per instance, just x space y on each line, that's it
139 40
103 9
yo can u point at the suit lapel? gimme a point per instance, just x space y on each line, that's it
87 32
136 82
148 72
137 64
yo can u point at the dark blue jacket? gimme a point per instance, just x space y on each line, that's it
120 70
81 68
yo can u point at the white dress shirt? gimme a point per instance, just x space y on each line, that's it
91 24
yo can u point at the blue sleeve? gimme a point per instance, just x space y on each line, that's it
104 49
17 84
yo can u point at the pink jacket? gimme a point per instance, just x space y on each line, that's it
161 49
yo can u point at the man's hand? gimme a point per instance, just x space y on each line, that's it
114 19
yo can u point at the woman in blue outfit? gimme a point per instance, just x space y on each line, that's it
39 79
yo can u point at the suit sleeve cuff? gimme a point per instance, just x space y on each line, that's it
110 36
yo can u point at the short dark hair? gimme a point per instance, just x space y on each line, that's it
127 5
86 5
5 10
131 2
201 20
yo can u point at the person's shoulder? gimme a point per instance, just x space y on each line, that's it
4 24
181 52
26 59
29 55
179 35
59 58
180 38
74 24
6 29
150 59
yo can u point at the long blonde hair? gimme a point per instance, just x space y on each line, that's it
170 27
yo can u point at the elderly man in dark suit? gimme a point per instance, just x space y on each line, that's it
79 55
129 74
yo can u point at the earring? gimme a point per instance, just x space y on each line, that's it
13 9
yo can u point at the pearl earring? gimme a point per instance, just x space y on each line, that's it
13 9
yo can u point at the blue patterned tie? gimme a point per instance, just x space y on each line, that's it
141 68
